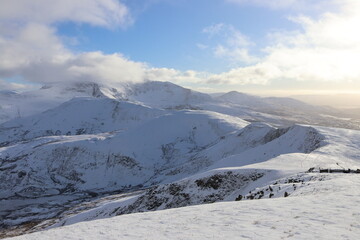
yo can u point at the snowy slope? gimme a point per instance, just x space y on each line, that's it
282 157
24 104
188 142
78 116
154 94
326 210
109 161
167 95
267 155
274 110
267 103
279 111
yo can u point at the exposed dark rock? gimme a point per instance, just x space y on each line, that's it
239 198
274 134
212 182
80 131
189 192
21 174
310 170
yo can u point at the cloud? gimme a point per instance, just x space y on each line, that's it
37 54
12 86
28 35
256 74
31 44
324 49
111 68
31 48
214 29
106 13
232 45
175 76
91 66
234 54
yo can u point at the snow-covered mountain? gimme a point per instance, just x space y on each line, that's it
17 105
153 94
269 104
98 152
110 161
280 111
168 96
78 116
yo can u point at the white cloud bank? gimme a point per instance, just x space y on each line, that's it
90 66
4 85
325 49
31 44
31 48
106 13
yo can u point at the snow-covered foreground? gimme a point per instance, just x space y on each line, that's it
329 209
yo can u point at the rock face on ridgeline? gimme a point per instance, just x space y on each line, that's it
208 189
211 188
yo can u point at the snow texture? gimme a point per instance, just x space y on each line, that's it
328 210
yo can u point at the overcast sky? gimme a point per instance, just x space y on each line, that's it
278 47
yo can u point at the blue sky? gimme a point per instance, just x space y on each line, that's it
166 33
259 46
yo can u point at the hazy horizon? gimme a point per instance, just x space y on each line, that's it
342 100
